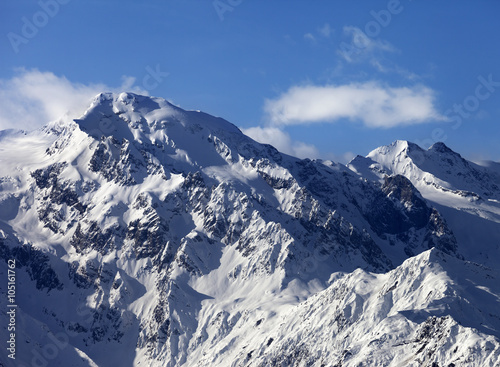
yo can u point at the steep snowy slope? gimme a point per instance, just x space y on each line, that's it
424 313
144 234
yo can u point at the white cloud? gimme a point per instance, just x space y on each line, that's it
282 141
373 104
343 158
32 98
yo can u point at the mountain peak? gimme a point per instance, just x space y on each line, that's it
396 148
405 145
440 147
140 118
123 97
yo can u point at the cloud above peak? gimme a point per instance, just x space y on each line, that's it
371 103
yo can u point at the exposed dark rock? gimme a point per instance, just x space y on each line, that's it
37 264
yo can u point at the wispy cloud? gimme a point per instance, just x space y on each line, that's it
325 30
359 50
310 37
373 104
361 47
32 98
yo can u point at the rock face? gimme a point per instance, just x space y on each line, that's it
144 234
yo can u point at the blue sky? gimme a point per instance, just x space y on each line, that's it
325 79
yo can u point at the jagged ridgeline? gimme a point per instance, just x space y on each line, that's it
145 234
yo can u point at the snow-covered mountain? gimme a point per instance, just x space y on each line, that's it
146 235
466 194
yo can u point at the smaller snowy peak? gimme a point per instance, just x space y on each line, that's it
395 148
465 193
440 147
444 156
396 158
438 166
459 173
401 151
